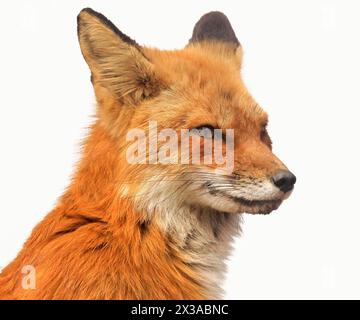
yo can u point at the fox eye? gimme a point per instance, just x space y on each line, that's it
264 136
263 132
206 131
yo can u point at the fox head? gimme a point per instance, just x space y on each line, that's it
198 88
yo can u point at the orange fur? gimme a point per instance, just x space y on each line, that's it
98 243
94 236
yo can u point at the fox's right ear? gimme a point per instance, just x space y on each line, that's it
116 61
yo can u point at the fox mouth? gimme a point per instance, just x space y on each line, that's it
255 206
255 203
251 206
258 206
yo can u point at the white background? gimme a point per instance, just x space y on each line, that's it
301 64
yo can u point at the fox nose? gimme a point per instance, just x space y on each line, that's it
284 180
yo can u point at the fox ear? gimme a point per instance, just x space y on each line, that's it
213 33
115 60
214 26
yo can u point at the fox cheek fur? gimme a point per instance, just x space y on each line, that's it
135 231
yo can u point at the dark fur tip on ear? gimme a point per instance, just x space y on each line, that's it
106 22
214 26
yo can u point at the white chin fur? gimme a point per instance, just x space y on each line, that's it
152 195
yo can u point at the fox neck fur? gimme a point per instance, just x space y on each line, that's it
97 245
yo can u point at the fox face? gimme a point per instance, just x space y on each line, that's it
197 90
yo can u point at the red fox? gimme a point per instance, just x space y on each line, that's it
147 230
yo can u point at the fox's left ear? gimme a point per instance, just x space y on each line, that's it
214 32
116 61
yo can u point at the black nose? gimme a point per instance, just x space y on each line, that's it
284 180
